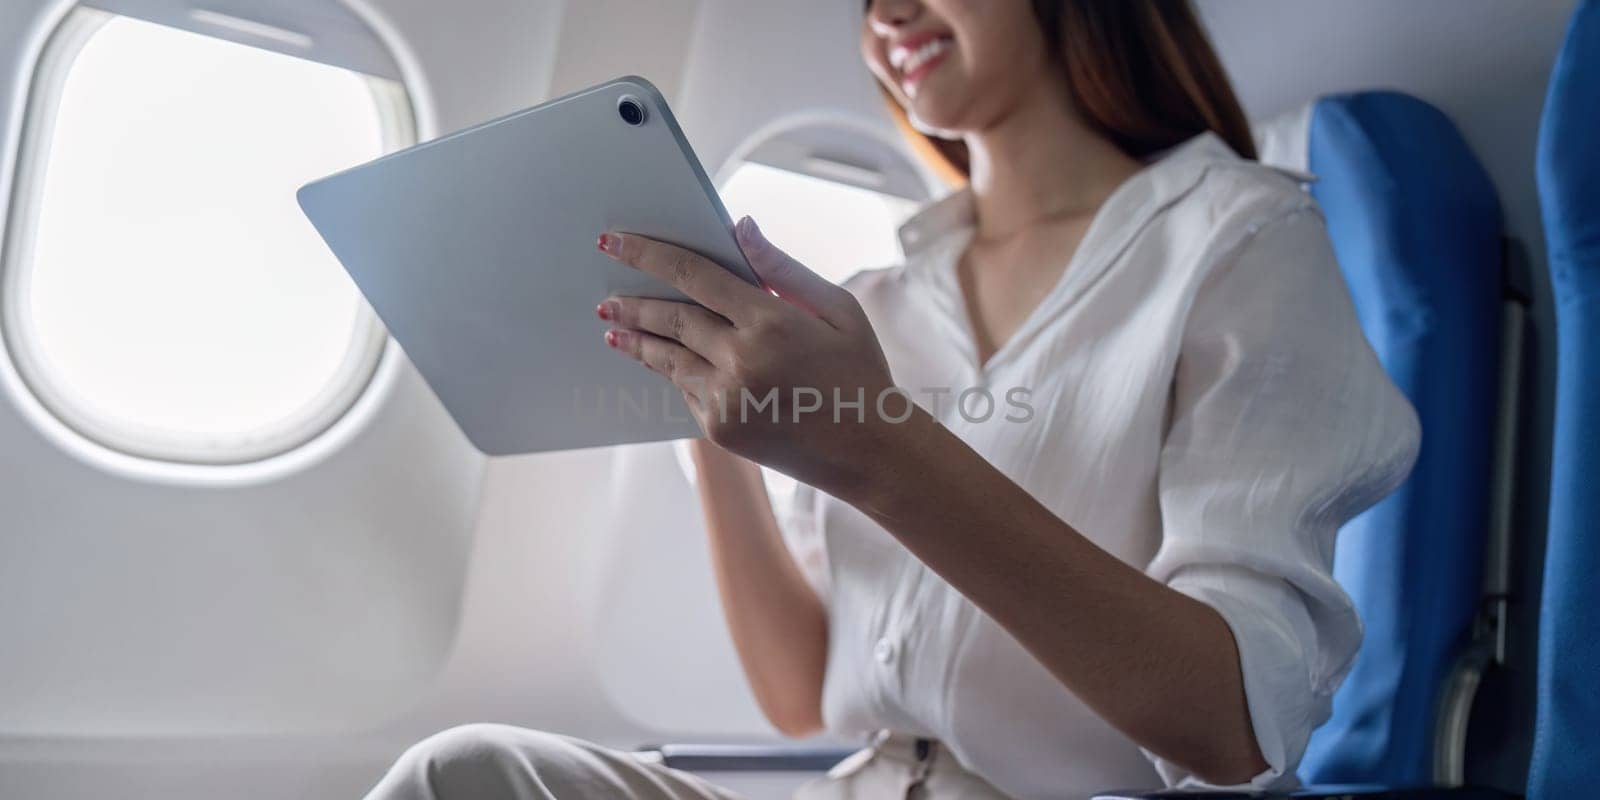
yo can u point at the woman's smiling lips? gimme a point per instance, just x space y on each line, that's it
919 55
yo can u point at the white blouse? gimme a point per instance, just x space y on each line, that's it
1204 406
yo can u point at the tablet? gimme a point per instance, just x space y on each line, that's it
477 250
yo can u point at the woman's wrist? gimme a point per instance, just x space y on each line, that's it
894 455
712 463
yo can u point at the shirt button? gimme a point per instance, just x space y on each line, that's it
884 652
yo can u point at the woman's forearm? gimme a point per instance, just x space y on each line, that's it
778 624
1160 666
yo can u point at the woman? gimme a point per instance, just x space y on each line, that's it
1120 575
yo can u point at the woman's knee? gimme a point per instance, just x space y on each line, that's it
481 760
480 741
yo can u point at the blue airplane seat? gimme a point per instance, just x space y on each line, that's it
1416 226
1566 749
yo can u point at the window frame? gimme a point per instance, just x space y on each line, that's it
918 185
849 149
365 354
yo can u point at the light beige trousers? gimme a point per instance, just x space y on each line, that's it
500 762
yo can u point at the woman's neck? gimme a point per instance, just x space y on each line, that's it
1041 162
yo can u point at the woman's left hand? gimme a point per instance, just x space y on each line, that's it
789 376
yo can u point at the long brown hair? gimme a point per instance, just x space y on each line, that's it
1142 73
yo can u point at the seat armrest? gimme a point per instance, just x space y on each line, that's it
1328 792
746 758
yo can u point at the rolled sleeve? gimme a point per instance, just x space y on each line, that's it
1283 427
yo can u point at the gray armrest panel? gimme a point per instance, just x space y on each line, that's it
749 758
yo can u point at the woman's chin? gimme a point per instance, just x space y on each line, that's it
939 105
934 123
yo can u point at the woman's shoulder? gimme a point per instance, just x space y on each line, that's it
1214 190
1238 195
1241 217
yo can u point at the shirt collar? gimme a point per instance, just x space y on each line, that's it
956 211
1167 174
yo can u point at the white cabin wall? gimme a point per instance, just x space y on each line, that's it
288 636
753 65
471 60
604 39
315 591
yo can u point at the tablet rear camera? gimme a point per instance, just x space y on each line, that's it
631 111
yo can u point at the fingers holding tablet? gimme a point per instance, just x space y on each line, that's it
685 368
793 281
757 365
701 279
690 325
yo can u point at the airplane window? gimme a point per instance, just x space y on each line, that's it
165 296
833 228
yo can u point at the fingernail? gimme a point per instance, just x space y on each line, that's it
607 243
606 311
748 231
612 339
